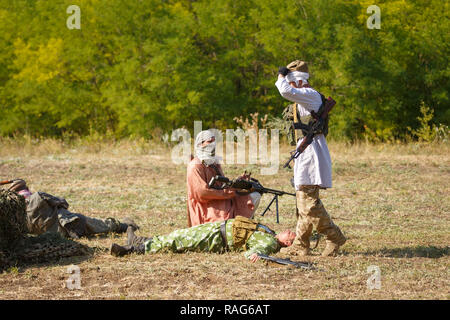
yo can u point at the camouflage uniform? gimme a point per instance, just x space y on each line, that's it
201 238
311 213
207 238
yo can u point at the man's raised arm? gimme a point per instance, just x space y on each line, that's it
303 96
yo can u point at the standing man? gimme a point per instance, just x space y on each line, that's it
207 204
312 169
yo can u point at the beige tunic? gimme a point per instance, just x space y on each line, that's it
313 166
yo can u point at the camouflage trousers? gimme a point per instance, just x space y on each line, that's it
85 226
311 213
98 226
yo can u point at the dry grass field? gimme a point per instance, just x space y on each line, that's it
391 201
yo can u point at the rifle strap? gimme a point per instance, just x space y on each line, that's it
216 169
298 134
261 227
223 233
302 125
317 242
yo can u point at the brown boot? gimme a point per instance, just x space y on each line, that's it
137 243
335 239
127 222
332 248
295 250
119 251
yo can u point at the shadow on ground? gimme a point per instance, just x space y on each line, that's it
45 250
432 252
64 261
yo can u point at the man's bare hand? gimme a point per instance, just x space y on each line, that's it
254 257
245 176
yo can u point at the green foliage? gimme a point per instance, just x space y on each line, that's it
427 131
143 68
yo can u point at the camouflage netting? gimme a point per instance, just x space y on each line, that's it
48 246
17 247
12 219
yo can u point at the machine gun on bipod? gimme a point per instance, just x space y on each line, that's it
247 186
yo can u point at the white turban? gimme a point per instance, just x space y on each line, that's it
295 76
206 153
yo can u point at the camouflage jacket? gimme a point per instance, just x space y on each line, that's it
207 238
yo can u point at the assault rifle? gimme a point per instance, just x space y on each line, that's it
303 265
316 126
244 186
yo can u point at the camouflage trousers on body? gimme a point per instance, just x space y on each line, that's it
311 213
99 226
85 226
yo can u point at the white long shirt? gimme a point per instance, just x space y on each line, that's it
313 166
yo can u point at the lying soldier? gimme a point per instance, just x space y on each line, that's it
234 234
47 213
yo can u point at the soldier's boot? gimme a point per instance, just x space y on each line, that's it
296 250
335 239
301 244
119 251
135 242
127 222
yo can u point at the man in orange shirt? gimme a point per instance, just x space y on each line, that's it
207 204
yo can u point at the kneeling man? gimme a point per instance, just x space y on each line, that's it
207 204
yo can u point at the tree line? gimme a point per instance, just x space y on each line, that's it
146 67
